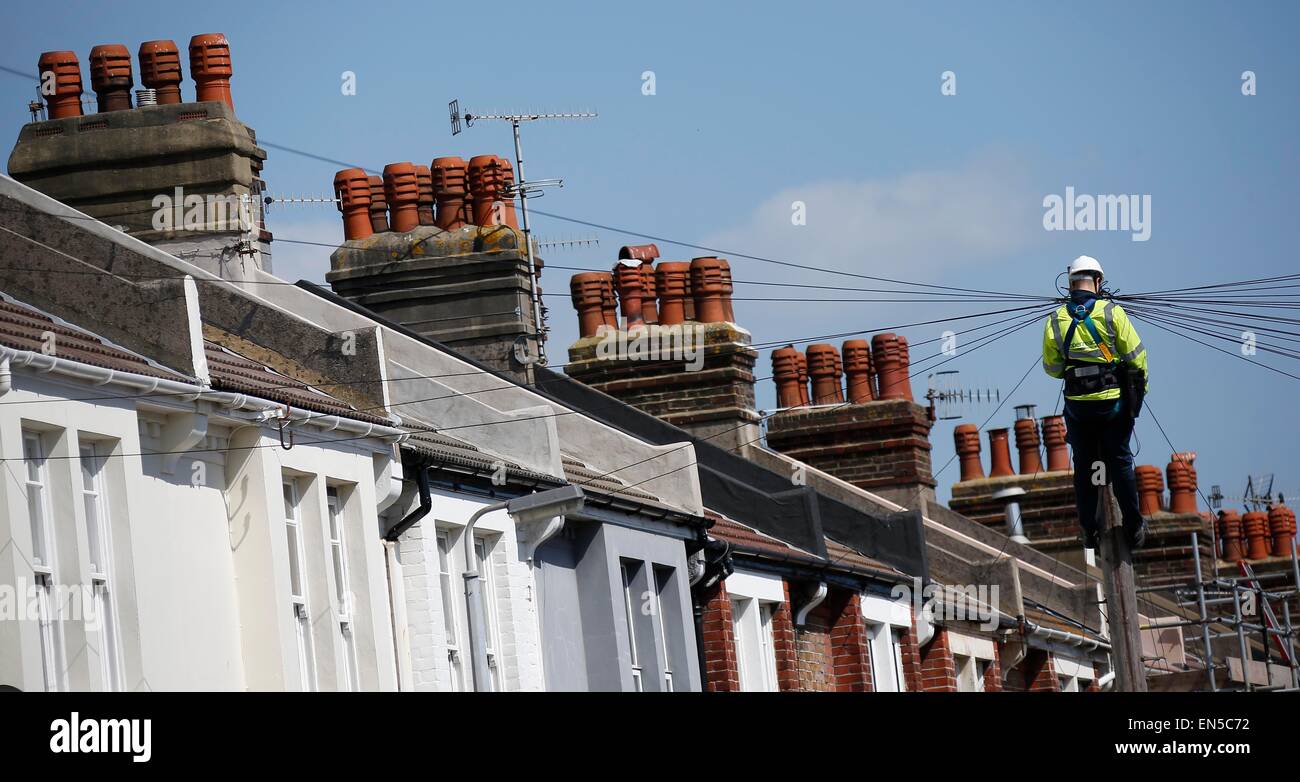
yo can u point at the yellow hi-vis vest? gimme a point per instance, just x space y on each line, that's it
1117 334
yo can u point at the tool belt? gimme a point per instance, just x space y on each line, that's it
1081 379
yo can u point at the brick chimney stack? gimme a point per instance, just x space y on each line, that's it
681 360
878 442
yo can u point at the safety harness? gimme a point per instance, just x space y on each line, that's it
1088 377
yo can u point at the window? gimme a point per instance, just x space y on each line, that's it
755 651
886 650
99 540
298 588
43 564
487 590
627 570
342 589
970 673
666 612
449 612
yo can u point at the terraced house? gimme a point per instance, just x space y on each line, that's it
266 485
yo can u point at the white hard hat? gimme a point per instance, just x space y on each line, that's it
1085 264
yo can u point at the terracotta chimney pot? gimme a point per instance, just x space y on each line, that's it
967 439
805 397
402 191
708 288
378 205
627 278
608 301
649 295
110 76
1058 455
1230 533
1281 524
1151 487
890 359
210 68
999 454
352 188
1027 443
66 100
728 311
785 370
857 368
588 293
425 182
449 190
1255 525
824 367
672 281
160 70
1181 477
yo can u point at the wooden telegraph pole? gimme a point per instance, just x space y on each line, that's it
1121 599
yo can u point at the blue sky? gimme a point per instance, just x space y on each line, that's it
839 106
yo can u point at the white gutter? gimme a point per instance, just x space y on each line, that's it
1062 637
187 392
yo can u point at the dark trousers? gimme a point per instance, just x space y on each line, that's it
1098 431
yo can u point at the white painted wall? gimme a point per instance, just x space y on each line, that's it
200 571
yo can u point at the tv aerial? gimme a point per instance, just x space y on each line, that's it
948 399
523 189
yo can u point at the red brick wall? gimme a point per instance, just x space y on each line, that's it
1039 673
721 669
993 673
783 638
849 645
938 670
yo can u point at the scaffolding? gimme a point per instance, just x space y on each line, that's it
1206 595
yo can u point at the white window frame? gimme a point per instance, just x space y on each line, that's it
886 622
662 578
298 599
1072 675
450 614
755 643
630 618
970 673
484 545
44 563
99 538
335 528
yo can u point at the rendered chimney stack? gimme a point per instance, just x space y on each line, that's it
66 70
785 370
708 289
999 454
352 189
966 437
824 367
1151 487
1255 526
1027 443
1281 524
1230 533
627 278
1181 476
1058 455
210 68
673 282
425 182
889 356
378 205
110 76
160 70
588 293
857 371
449 182
402 191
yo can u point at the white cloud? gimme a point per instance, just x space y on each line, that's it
915 226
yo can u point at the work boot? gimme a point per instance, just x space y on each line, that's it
1092 538
1137 538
